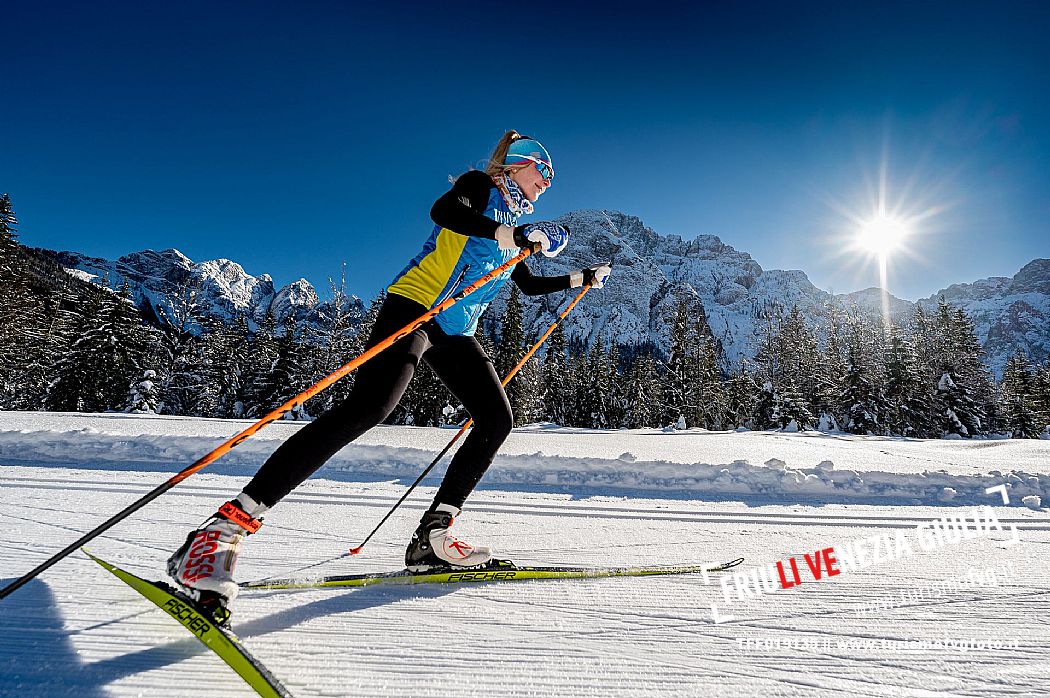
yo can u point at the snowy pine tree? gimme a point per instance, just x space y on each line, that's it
579 414
964 388
741 395
862 400
20 312
907 395
677 378
338 339
1019 403
1041 395
796 361
224 367
708 391
830 375
290 376
598 387
641 395
259 388
524 390
46 336
558 391
144 396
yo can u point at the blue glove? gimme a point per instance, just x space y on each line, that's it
552 237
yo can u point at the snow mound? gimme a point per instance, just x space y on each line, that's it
773 481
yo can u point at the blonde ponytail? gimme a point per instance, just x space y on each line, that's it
495 164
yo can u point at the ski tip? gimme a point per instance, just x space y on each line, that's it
357 550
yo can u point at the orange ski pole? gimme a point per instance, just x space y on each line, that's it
268 419
469 422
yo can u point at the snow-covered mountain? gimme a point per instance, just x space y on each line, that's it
1010 313
159 282
651 271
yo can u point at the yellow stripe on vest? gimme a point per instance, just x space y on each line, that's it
424 282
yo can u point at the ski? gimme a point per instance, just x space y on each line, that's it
496 571
205 628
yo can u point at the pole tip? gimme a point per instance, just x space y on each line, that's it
357 550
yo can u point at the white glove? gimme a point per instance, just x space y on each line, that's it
593 276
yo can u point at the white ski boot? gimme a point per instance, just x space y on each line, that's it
203 566
434 547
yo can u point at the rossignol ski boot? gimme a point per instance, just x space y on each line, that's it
203 566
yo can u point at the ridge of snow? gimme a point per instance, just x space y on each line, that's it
120 440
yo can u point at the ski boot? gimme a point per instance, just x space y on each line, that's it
434 547
203 566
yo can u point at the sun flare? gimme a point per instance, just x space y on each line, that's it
882 235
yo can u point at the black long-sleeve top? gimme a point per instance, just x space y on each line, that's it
460 210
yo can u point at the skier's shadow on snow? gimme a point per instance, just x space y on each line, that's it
38 656
101 673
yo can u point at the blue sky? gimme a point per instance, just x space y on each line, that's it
291 137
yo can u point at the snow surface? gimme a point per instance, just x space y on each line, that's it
554 496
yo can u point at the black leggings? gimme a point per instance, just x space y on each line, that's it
460 363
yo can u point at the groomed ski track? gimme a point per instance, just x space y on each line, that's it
76 631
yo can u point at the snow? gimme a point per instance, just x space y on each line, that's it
957 619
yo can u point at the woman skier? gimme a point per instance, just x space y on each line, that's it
475 232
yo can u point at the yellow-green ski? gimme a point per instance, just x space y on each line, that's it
496 571
216 638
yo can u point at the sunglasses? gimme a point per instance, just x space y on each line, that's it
546 171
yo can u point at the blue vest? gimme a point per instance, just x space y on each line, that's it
449 262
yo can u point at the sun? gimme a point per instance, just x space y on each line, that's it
882 234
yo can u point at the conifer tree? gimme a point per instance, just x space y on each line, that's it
906 394
676 383
523 389
132 343
964 390
767 407
742 393
290 376
110 350
184 386
708 399
177 347
799 361
929 364
45 337
641 396
597 387
863 403
1041 395
15 301
83 375
259 387
1019 403
226 364
340 338
830 376
790 411
616 400
528 394
579 414
558 392
143 396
